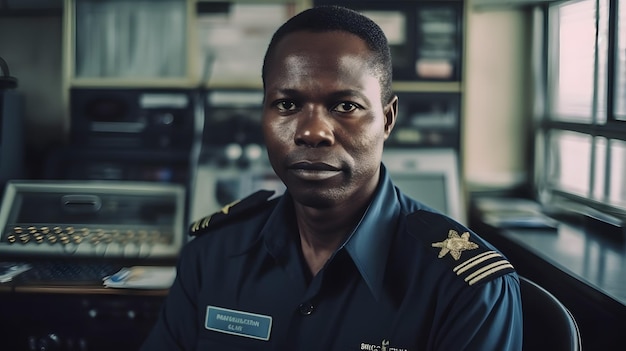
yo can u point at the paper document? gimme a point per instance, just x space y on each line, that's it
514 213
142 277
8 270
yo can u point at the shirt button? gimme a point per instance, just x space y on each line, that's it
306 308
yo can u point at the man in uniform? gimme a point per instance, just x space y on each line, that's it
343 260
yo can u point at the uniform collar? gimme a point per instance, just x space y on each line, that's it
370 242
368 245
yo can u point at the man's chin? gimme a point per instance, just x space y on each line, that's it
315 198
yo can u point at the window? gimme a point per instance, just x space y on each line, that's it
582 133
620 71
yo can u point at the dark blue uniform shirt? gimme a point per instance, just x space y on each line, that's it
407 278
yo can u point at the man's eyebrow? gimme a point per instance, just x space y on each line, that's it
348 93
288 92
339 94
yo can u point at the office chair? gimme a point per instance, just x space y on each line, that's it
548 324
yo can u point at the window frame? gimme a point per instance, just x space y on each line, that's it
607 127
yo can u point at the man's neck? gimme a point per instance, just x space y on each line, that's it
323 231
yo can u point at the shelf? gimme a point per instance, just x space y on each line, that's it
133 83
506 4
399 86
428 86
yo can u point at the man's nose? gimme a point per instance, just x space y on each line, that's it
315 129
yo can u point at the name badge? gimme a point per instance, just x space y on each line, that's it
240 323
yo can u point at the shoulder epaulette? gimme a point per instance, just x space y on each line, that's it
230 212
469 257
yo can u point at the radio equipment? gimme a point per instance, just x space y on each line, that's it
135 220
154 119
127 134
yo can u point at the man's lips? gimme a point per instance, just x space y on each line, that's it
313 170
313 166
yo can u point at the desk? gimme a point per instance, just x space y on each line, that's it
76 318
582 268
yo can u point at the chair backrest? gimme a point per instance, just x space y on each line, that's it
548 324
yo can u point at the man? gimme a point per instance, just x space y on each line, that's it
343 260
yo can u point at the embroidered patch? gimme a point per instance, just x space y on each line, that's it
250 325
384 346
455 244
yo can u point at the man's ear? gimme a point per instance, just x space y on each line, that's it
391 113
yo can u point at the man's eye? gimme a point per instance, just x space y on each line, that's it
286 106
345 107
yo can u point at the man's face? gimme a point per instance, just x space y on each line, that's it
323 120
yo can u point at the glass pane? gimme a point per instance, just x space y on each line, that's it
233 40
617 188
573 41
599 169
620 59
570 162
130 39
603 62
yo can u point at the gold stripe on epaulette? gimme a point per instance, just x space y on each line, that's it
195 226
205 222
487 271
227 208
475 261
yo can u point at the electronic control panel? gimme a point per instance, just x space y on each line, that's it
138 220
139 119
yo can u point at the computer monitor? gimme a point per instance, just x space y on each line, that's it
430 176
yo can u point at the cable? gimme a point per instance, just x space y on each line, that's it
6 81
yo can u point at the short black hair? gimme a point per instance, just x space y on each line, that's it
336 18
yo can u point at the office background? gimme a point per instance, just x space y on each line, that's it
495 85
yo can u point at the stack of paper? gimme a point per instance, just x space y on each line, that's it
8 270
514 213
142 277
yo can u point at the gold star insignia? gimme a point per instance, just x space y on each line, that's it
455 244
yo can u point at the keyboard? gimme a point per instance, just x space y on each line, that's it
66 273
